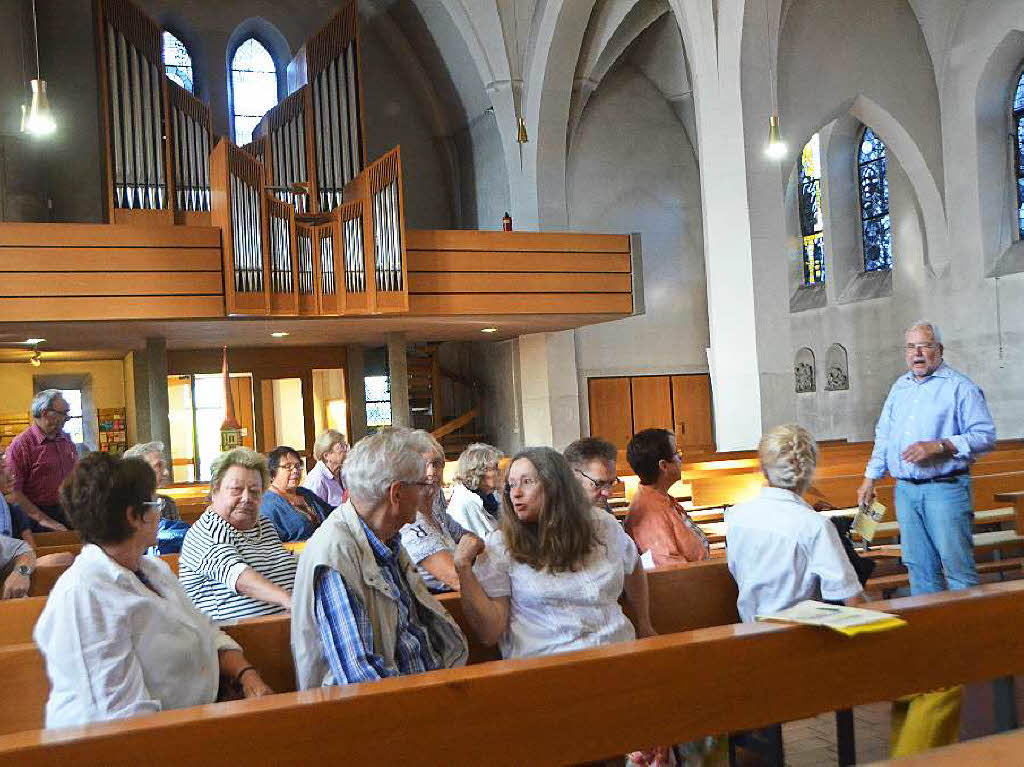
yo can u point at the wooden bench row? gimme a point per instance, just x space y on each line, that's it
575 707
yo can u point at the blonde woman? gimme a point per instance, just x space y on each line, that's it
473 503
781 551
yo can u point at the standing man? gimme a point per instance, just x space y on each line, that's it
592 460
39 459
933 424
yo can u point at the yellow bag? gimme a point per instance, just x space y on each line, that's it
924 721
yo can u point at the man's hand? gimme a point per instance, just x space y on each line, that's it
253 685
53 525
469 547
16 586
866 492
922 452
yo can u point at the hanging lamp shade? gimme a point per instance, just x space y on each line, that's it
39 119
521 136
776 147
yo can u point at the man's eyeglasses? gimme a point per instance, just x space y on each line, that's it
422 484
65 414
525 483
599 485
925 347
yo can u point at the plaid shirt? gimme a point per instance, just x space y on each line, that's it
40 463
346 631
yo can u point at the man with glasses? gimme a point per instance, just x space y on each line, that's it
656 521
933 424
360 611
39 459
592 460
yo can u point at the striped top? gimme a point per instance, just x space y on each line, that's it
214 554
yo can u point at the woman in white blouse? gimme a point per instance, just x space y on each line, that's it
118 634
473 503
780 550
550 577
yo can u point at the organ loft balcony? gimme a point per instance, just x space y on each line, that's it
298 224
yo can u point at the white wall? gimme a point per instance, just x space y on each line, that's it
632 169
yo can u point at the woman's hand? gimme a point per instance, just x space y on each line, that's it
467 550
253 685
646 630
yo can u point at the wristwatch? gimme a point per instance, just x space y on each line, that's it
25 570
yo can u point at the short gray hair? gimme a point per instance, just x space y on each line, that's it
326 442
789 457
142 449
925 324
43 401
475 462
376 462
240 456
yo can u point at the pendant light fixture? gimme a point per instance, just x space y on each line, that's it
776 147
37 119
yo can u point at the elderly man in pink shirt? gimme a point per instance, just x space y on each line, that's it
39 459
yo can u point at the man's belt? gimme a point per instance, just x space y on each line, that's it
951 477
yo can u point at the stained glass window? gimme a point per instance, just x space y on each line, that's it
1018 150
378 400
876 226
812 228
253 87
177 62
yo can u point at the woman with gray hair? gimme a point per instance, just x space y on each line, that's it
781 551
232 562
325 478
473 503
153 454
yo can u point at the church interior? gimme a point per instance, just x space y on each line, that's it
527 222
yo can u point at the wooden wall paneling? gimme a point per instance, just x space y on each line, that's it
102 308
692 421
308 418
484 282
611 410
102 235
268 435
518 303
490 261
65 284
242 394
458 239
652 402
106 259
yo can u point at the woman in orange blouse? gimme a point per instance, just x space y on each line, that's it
656 521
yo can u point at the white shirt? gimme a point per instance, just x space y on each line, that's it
467 508
114 649
781 551
325 485
558 612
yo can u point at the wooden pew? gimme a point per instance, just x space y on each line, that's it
1005 748
57 538
44 577
576 707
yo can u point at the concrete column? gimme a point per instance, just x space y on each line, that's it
356 399
156 383
398 370
550 391
140 388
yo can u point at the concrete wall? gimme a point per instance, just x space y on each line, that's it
632 169
483 178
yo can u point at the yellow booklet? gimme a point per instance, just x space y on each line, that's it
866 520
848 621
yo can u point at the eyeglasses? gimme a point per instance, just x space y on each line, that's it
525 483
61 413
925 347
606 484
290 466
422 484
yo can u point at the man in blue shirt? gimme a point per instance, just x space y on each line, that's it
933 424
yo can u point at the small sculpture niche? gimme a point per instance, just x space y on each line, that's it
837 371
803 370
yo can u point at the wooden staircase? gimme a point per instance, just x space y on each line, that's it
434 412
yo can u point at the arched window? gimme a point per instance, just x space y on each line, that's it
874 202
812 228
177 62
253 87
1018 150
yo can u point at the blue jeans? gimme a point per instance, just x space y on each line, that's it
936 528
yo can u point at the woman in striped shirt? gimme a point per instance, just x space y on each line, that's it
232 562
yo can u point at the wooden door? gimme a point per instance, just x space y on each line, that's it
692 421
652 403
241 394
611 413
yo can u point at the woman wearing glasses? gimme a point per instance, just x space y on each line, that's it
119 635
550 577
295 511
473 503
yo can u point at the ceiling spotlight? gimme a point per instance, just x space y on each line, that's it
488 330
35 340
279 334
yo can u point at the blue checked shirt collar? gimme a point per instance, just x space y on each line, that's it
384 553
